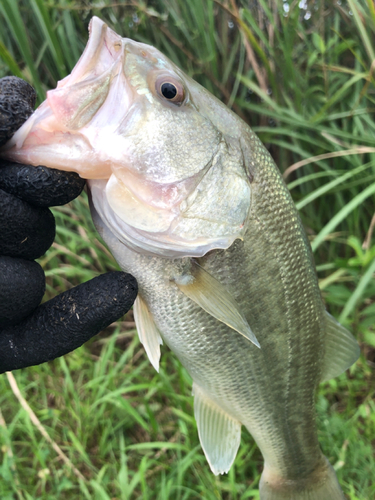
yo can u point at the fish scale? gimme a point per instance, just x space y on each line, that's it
282 338
246 368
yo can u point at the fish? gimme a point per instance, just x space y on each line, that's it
191 203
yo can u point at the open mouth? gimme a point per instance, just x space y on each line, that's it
73 128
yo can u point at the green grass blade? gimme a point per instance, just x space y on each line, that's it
358 292
341 215
10 10
341 92
45 24
362 30
330 185
9 61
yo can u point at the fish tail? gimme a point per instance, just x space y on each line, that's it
321 485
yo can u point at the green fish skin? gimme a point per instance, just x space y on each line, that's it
270 390
191 203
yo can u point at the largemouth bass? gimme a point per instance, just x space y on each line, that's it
191 203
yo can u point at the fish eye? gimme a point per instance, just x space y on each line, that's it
170 89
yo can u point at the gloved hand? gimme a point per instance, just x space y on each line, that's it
30 335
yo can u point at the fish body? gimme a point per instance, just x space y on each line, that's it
191 203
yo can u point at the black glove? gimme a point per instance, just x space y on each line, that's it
30 335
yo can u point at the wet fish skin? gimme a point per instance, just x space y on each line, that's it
154 167
271 274
271 390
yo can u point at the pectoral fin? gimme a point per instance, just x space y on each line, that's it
341 349
212 296
219 433
148 333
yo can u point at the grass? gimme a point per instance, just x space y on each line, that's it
301 73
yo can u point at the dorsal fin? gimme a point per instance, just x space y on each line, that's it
147 331
211 295
341 349
219 433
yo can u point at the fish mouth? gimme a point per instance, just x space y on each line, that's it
67 131
94 60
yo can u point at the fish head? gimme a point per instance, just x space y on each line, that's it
162 156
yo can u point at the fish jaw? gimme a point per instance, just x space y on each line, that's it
73 128
150 239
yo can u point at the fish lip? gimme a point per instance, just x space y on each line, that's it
100 35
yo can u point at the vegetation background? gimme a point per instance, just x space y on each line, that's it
301 73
